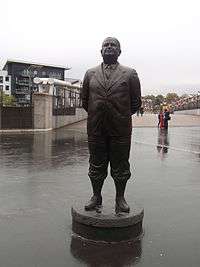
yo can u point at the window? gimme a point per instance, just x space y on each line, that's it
7 79
1 79
7 87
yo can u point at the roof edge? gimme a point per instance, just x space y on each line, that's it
34 63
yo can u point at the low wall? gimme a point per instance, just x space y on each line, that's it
42 111
60 121
189 112
43 117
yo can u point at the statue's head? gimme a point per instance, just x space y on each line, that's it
110 50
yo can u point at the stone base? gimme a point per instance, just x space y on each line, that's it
106 225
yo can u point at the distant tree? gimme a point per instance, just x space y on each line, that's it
152 97
184 96
159 100
171 97
7 100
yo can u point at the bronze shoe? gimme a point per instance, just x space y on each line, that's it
121 205
93 203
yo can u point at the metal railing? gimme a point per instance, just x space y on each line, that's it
66 96
65 101
22 91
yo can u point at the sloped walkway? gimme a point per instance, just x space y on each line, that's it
177 120
151 120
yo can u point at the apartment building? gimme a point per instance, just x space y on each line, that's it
5 82
22 73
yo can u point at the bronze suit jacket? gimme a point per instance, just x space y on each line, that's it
110 103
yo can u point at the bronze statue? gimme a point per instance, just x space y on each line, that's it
110 94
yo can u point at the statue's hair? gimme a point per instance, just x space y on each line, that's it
116 40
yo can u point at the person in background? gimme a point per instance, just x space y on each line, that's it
141 111
163 143
166 119
161 120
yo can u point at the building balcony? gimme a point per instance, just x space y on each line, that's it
22 83
22 91
23 101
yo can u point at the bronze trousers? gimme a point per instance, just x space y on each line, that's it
108 149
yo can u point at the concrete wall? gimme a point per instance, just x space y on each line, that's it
43 118
42 111
189 112
60 121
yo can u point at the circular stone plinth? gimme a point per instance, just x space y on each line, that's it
106 225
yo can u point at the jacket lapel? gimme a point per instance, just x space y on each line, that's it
99 76
116 77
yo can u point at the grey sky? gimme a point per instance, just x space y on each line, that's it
160 39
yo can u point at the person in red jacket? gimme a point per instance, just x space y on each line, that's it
161 120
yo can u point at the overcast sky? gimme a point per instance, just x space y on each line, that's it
160 39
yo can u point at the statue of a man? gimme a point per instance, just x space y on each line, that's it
110 94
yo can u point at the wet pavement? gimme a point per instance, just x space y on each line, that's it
42 174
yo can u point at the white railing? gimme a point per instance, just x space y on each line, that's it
46 85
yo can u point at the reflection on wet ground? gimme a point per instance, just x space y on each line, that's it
102 254
163 142
42 174
42 150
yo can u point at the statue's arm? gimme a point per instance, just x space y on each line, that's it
135 92
85 92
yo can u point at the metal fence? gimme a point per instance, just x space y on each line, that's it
16 117
13 115
65 101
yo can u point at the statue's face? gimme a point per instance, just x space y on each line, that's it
110 50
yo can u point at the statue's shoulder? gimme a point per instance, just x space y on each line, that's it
128 69
93 70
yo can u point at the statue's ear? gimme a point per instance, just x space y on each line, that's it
120 52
